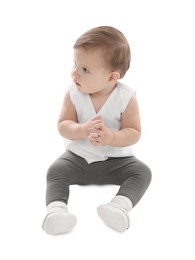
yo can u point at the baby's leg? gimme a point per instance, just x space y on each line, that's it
58 182
61 174
137 178
134 178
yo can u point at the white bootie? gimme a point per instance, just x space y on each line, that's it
115 213
58 220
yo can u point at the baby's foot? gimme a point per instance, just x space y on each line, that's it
115 213
58 220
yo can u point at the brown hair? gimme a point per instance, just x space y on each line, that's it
116 50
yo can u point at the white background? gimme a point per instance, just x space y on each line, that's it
36 39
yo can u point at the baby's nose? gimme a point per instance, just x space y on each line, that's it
75 73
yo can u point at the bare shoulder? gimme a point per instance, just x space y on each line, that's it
131 117
68 111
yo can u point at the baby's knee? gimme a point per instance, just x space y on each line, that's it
147 175
52 172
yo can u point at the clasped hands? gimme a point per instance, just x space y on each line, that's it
98 134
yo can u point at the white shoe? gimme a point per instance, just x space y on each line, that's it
58 220
115 213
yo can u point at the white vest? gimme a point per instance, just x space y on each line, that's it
111 112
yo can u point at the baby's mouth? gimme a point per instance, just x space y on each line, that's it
77 84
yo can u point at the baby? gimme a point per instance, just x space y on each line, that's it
99 122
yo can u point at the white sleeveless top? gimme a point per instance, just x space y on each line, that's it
111 114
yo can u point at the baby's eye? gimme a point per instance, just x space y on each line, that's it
85 70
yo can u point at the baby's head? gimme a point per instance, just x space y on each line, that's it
114 46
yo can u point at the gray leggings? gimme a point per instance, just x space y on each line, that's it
132 175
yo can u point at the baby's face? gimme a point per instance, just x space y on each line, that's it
89 72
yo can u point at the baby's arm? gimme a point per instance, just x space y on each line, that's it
129 133
68 125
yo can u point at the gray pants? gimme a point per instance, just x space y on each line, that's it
132 175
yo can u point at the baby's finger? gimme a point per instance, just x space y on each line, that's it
94 135
94 140
98 125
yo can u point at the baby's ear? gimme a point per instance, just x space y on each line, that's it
114 76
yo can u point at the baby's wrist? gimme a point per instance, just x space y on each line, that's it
84 131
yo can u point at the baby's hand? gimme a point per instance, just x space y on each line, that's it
99 134
90 126
94 130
